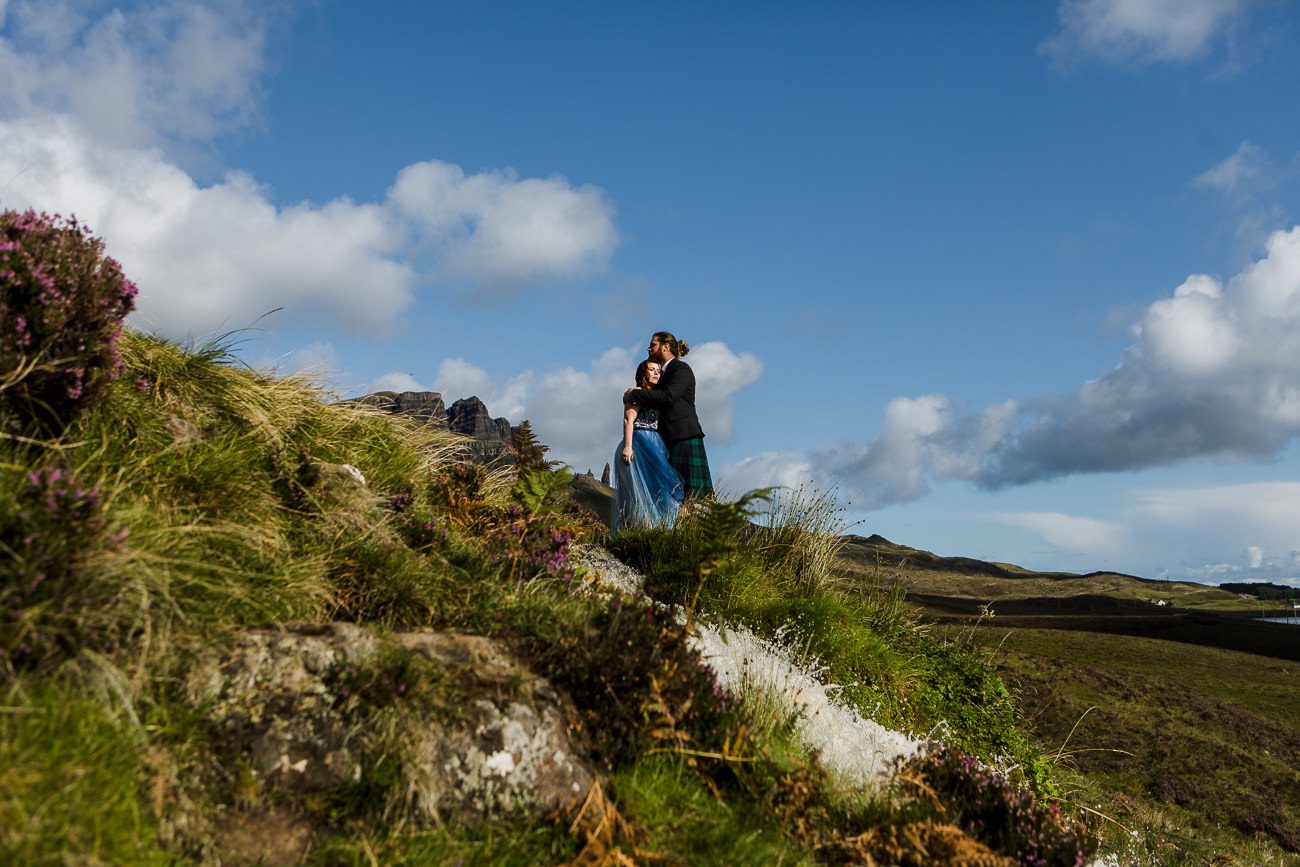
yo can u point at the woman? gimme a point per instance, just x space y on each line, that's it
647 489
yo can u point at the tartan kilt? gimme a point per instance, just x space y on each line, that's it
688 459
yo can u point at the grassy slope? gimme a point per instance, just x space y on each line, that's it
1194 745
1167 730
964 578
219 510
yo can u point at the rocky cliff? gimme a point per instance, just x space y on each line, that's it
489 437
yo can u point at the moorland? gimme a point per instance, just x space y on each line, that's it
1170 708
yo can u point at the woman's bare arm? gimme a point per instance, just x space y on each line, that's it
629 416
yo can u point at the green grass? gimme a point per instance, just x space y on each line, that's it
490 846
682 819
1194 746
72 780
863 633
1259 684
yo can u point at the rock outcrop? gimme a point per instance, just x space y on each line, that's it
471 734
469 417
489 437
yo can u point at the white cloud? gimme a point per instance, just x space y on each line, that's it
1140 31
504 396
579 413
1181 532
318 360
1192 332
211 258
1266 513
218 257
499 231
894 466
1214 373
1262 520
787 469
88 106
136 75
1072 534
720 373
1245 185
397 381
1245 169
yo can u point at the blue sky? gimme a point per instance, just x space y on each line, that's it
1022 281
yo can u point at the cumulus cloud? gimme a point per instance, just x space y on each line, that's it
719 374
894 466
135 75
396 381
215 257
1214 373
499 231
91 102
219 256
1140 32
787 469
578 412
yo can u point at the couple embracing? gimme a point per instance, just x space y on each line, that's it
661 460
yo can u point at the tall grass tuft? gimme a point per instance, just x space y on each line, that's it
200 493
800 534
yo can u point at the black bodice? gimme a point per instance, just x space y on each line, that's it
647 418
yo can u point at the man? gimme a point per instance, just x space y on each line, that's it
674 397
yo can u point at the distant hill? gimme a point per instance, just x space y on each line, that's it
930 578
894 554
1261 589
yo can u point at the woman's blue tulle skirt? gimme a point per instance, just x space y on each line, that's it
648 490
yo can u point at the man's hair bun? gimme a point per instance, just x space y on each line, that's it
682 349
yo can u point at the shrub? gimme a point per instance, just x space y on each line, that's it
62 302
637 682
53 523
992 809
531 545
416 523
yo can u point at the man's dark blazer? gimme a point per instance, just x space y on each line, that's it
674 397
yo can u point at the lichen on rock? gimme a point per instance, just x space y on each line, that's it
471 732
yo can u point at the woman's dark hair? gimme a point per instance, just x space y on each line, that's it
678 347
641 381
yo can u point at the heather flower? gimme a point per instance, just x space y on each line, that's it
53 522
996 811
62 304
